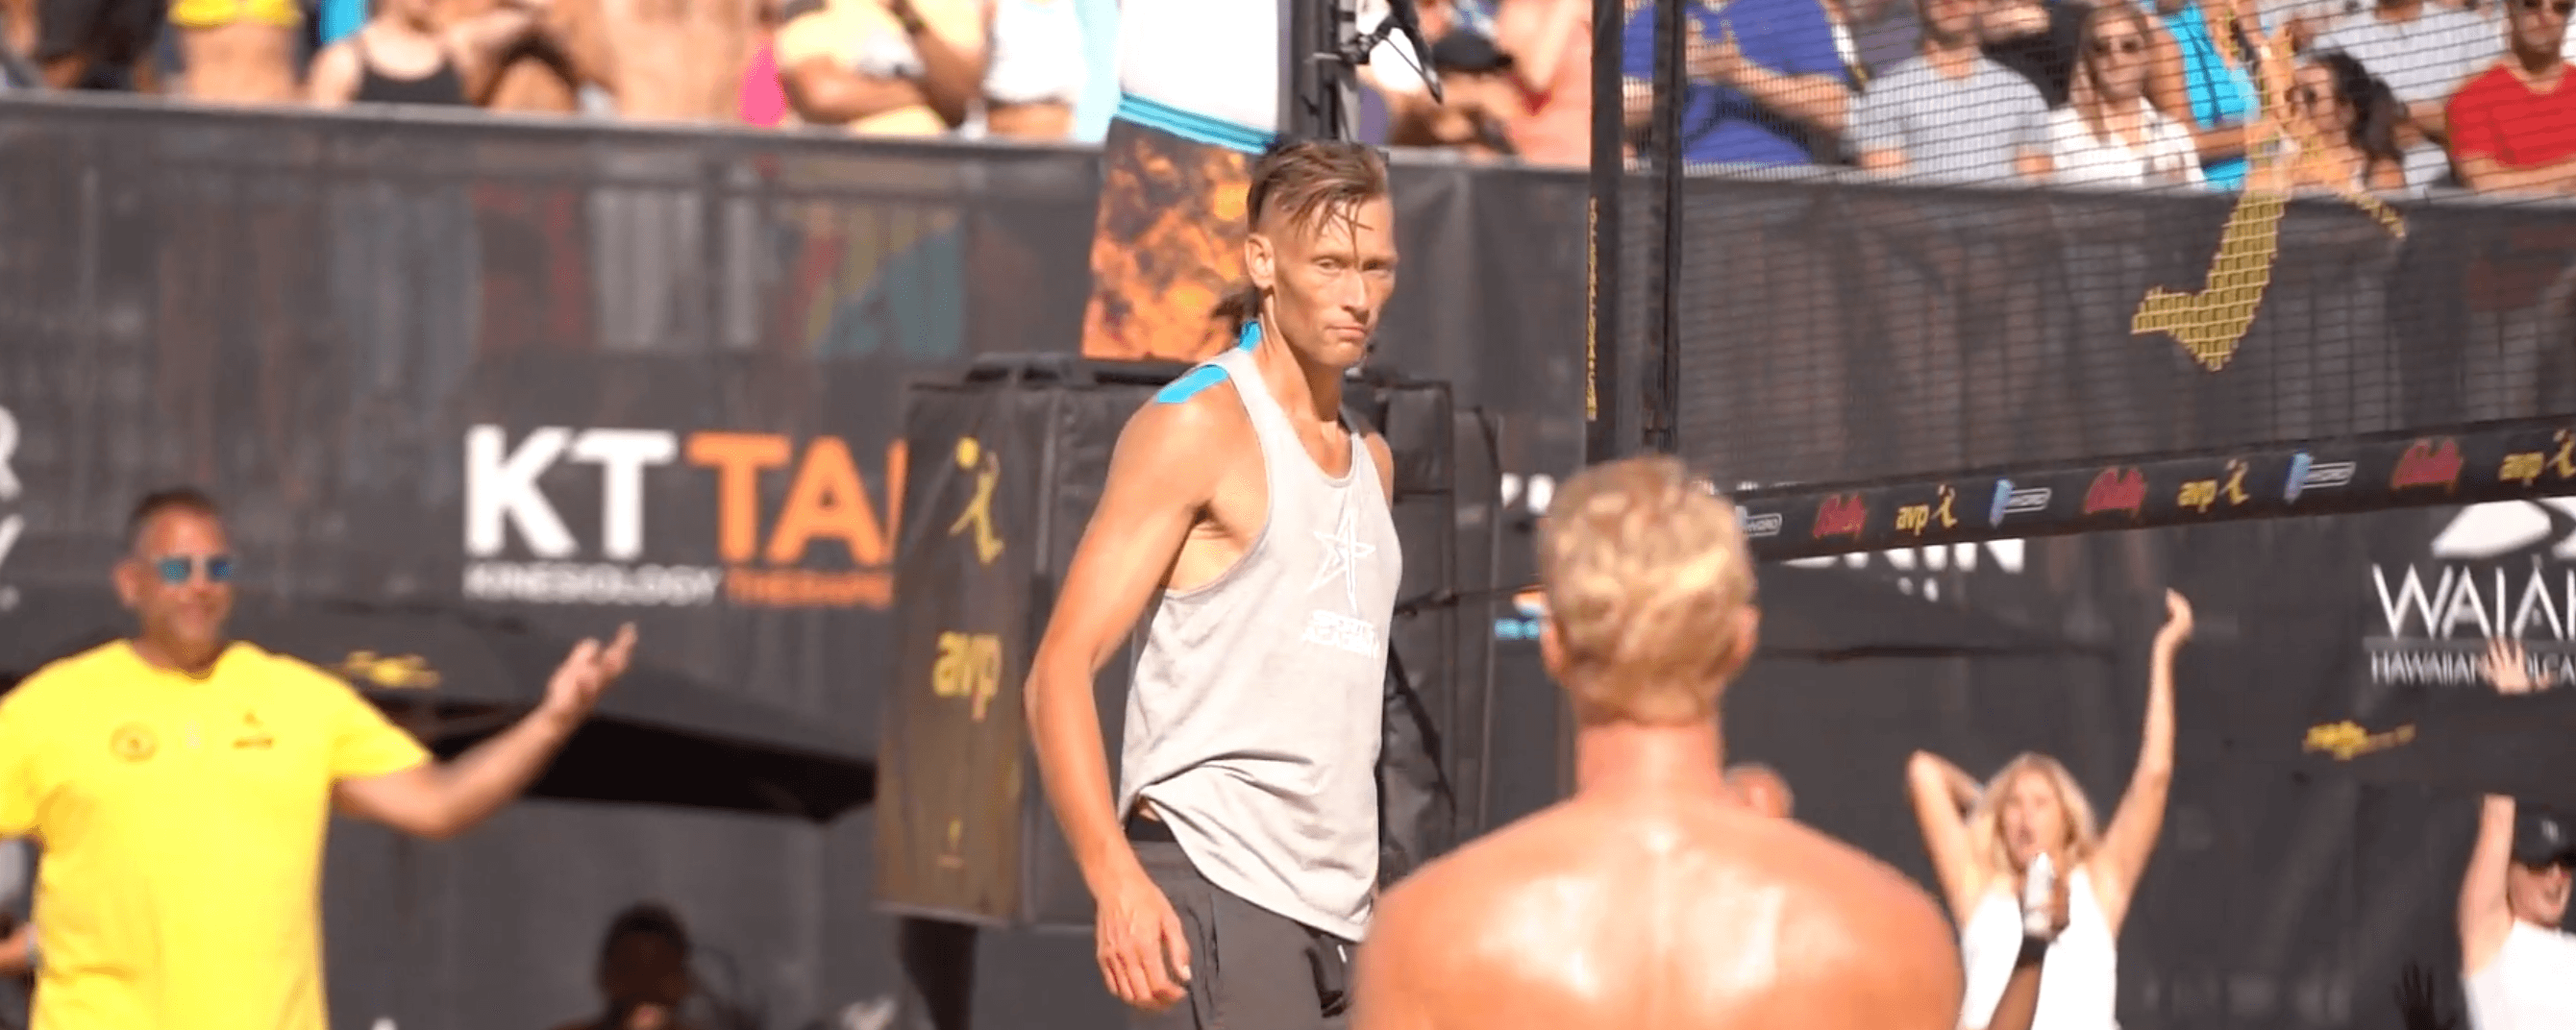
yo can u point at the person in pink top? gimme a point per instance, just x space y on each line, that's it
764 99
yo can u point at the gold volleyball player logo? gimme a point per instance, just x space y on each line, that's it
979 512
2347 740
2209 323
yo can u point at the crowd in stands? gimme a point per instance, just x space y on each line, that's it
872 67
2401 96
2347 95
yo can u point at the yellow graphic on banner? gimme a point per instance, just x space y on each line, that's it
1916 518
969 666
2209 323
2199 494
2347 740
979 512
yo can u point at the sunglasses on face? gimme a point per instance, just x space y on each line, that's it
178 569
2562 8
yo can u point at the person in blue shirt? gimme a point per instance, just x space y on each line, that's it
2217 97
1766 83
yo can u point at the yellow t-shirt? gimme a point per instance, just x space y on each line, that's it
842 30
182 824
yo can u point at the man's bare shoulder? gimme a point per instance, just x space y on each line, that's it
1181 435
1578 915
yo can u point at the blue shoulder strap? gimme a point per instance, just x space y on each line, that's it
1197 379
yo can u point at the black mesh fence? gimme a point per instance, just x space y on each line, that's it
1890 242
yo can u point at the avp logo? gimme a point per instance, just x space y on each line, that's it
2503 569
826 500
13 524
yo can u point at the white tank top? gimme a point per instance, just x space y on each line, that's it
2527 987
1253 718
2080 986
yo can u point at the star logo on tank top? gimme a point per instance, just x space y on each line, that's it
1342 553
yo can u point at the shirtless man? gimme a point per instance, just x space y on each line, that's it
1234 868
1653 897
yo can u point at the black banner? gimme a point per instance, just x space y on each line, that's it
1838 332
954 763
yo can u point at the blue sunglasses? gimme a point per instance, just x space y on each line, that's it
177 570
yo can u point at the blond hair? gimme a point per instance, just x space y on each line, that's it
1986 825
1646 575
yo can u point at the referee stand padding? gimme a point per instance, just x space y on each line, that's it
1007 463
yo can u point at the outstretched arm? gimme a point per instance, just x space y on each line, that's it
2131 839
2485 918
440 801
1941 794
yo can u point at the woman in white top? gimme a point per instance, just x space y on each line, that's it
2108 134
2516 964
2034 813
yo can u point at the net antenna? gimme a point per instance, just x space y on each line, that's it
1327 50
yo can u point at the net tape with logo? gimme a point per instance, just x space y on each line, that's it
2496 462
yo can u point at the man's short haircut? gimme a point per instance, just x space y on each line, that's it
1646 573
177 498
1304 181
648 919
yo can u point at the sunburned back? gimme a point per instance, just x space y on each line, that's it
1680 917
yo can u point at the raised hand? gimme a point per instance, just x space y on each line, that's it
587 672
2416 1002
2178 620
2507 668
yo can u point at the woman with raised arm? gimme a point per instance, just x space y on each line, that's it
2516 961
2029 877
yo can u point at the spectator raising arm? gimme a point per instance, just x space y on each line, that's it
2484 916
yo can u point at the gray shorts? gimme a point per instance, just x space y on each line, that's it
1250 968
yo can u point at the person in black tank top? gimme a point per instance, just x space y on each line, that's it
441 86
403 57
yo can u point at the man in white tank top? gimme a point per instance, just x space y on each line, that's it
2517 966
1249 527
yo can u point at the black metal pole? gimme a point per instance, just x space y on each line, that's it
1609 173
1318 76
1672 36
